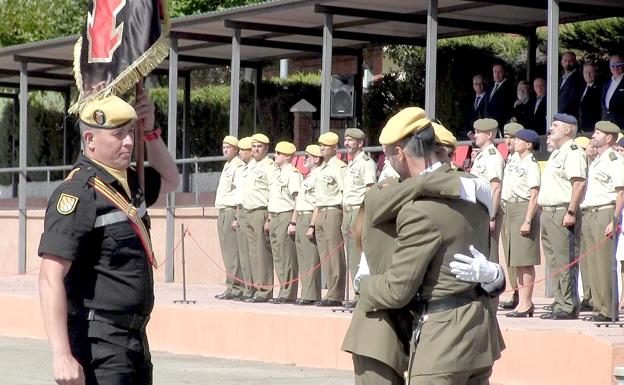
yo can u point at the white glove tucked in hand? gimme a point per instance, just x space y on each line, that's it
362 271
477 269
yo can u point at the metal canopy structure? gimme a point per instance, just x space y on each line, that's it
250 36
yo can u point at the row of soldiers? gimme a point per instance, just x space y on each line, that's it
573 206
272 217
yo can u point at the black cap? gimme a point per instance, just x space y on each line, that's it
565 118
529 136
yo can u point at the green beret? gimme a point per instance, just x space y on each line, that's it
355 133
512 128
607 127
485 125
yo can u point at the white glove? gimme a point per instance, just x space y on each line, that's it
362 271
477 269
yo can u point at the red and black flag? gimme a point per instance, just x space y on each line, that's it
123 41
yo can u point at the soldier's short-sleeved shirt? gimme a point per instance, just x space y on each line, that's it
488 164
605 176
564 163
388 172
257 184
509 165
359 174
283 189
240 180
110 270
306 197
521 175
330 183
226 190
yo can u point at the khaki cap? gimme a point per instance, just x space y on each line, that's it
285 148
512 128
582 142
232 141
607 127
408 121
328 139
485 124
314 150
260 138
244 143
355 133
443 136
108 113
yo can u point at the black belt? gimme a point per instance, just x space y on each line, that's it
124 320
446 303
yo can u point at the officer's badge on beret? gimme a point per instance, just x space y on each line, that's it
408 121
108 113
66 204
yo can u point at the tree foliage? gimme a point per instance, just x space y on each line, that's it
595 39
179 8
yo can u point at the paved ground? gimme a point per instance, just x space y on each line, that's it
28 362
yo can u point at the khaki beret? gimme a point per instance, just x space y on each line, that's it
408 121
260 138
485 124
328 139
108 113
512 128
582 142
607 127
244 143
355 133
232 141
443 136
285 148
314 150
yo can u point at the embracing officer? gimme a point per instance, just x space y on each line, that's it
96 283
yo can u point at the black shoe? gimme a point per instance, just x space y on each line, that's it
280 301
587 305
522 314
328 303
224 295
598 318
550 307
560 314
257 300
242 298
547 315
305 302
512 303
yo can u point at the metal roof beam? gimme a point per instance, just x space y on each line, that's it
215 61
344 35
589 9
37 74
421 19
44 60
34 87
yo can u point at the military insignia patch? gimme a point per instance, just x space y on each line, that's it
612 156
574 147
99 117
492 151
66 204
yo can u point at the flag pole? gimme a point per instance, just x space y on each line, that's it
139 148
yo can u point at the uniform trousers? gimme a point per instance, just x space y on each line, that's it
479 376
260 253
229 250
307 259
600 260
330 246
348 222
556 245
284 255
243 252
369 371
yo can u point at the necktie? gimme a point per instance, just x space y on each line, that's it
476 104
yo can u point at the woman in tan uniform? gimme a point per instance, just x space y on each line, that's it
522 183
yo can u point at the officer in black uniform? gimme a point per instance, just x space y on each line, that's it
96 282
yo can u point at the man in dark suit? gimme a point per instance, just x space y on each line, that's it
570 86
613 92
476 110
589 108
538 120
501 96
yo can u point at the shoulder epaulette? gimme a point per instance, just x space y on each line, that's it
492 151
366 157
612 156
71 173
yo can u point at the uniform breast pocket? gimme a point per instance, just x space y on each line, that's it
357 175
121 246
331 187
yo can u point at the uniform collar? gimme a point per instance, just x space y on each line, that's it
99 171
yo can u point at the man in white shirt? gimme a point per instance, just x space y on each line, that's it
613 92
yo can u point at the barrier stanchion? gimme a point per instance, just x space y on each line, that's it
183 300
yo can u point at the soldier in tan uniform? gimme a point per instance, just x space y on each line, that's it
563 183
488 165
521 248
225 201
327 219
240 222
307 252
509 133
282 216
255 201
601 207
459 338
359 176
